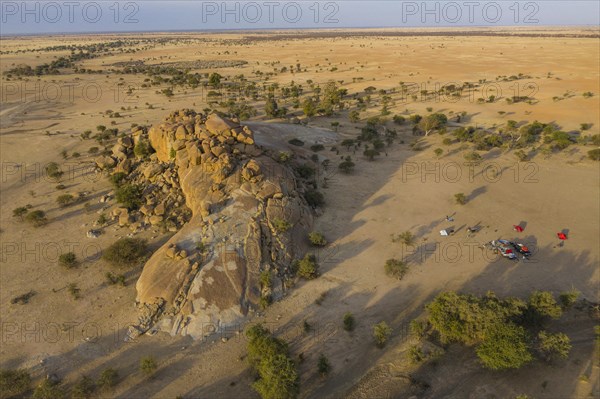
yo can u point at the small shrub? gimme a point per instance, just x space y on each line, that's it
317 239
418 328
554 346
472 156
37 218
265 279
381 333
395 268
415 354
305 171
323 365
296 142
84 388
48 389
460 198
142 149
53 171
148 365
438 152
317 147
349 322
406 238
308 267
113 279
65 200
521 155
108 379
314 198
568 298
74 290
20 212
594 154
129 195
116 179
281 225
125 252
68 260
347 165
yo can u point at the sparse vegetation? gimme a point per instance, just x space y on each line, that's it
108 379
14 383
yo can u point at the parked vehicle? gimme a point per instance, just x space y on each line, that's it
522 249
504 248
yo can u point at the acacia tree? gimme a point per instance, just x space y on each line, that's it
432 122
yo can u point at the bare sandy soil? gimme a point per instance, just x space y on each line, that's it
401 190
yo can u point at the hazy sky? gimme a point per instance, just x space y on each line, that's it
17 17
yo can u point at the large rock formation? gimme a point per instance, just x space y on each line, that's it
207 276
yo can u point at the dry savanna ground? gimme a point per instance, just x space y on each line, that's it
408 187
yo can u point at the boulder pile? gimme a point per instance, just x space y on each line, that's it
246 215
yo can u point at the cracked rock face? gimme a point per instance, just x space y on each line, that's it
207 276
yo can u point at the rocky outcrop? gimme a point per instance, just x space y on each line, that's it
207 276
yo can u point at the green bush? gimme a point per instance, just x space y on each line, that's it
305 171
317 239
472 156
37 218
594 154
438 152
65 200
14 383
347 165
542 305
281 225
68 260
381 333
418 328
129 195
415 354
278 378
125 252
460 198
317 147
505 347
308 267
116 179
142 149
406 238
554 346
53 171
20 212
349 322
568 298
314 198
395 268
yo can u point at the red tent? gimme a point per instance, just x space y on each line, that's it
562 236
518 228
